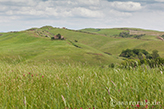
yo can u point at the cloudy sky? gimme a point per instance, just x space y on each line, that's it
77 14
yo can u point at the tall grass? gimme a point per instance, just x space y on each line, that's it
54 86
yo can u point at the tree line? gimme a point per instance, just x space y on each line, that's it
138 57
127 35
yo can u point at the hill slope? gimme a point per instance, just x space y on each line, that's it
93 46
27 46
149 41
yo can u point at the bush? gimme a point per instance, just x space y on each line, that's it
140 53
76 41
112 65
155 54
52 38
127 53
162 36
153 60
126 35
59 36
148 56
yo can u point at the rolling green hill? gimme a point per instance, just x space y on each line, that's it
116 44
27 46
92 46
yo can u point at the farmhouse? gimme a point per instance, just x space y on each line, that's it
59 37
56 37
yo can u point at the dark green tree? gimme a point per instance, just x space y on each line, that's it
162 36
59 36
112 65
136 51
144 52
155 54
140 55
148 56
127 53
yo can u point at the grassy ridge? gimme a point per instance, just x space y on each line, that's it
148 42
26 46
105 32
46 85
30 46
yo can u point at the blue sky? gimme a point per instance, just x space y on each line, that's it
18 15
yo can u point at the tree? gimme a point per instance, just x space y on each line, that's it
162 36
144 52
124 34
76 41
148 56
136 51
52 38
140 55
112 65
59 36
155 54
127 53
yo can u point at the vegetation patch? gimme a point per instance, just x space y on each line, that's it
108 53
58 37
95 54
138 57
162 36
128 53
158 37
127 35
74 44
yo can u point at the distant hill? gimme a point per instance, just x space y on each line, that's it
92 46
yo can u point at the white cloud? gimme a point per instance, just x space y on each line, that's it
80 13
159 0
3 8
89 2
83 12
55 8
119 14
126 6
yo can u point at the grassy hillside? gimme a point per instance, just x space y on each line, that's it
27 46
116 31
115 44
97 46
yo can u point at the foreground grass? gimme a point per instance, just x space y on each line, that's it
46 85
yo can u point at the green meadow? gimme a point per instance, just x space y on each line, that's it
74 73
55 86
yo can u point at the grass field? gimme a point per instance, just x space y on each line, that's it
70 86
37 72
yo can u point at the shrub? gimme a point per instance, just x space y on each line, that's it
52 38
140 53
112 65
76 41
162 36
155 54
59 36
127 53
153 60
148 56
126 35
